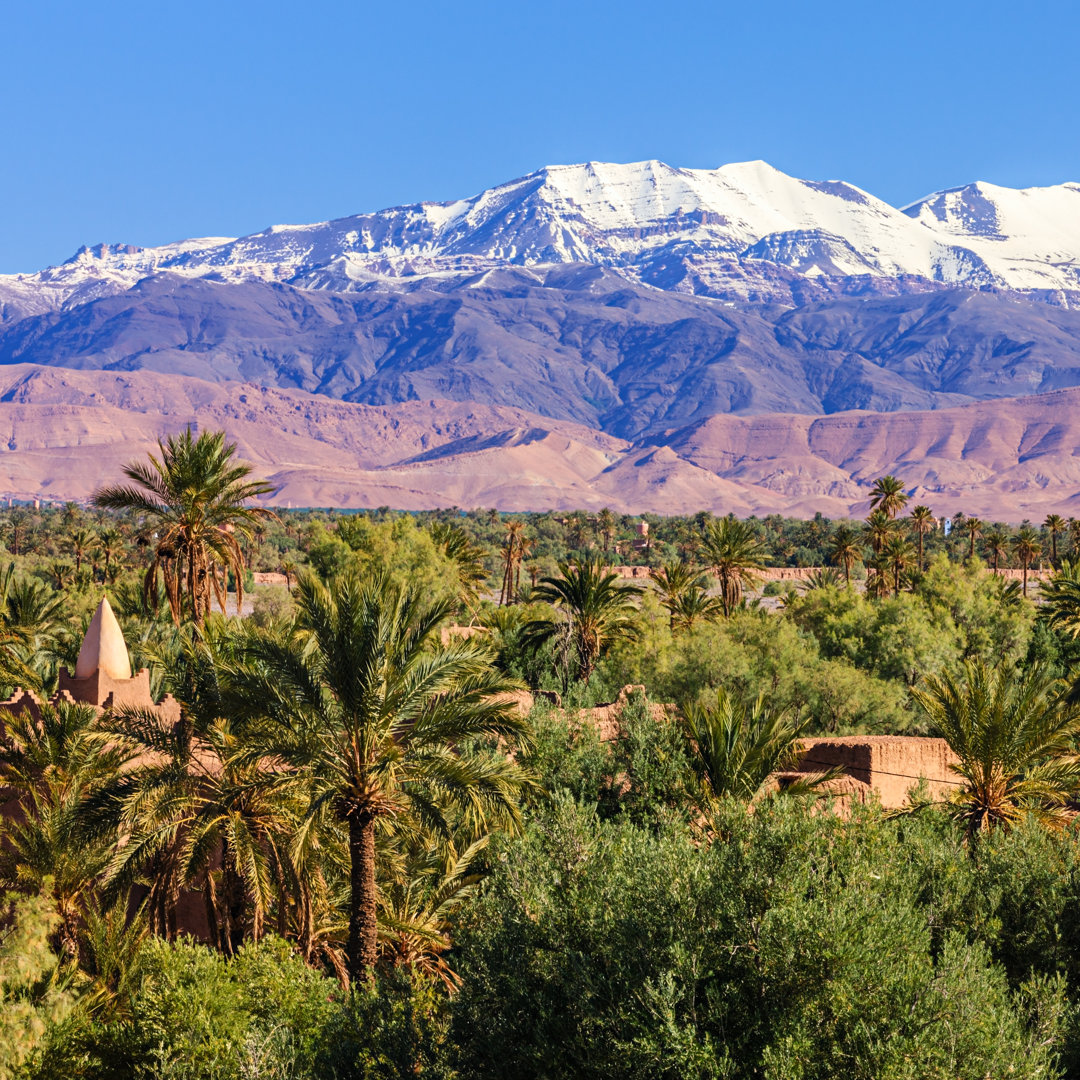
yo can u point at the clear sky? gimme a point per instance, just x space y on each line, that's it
148 122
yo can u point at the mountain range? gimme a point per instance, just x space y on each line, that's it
652 318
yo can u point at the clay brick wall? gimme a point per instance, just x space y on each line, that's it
889 764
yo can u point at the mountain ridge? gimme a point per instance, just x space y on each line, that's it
63 433
634 302
628 216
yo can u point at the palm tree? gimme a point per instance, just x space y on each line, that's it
898 554
63 574
846 550
673 580
607 522
417 907
192 501
1014 737
18 521
595 606
997 546
1054 525
288 568
33 614
53 760
734 552
691 606
1073 527
879 527
974 530
468 559
377 723
513 554
826 578
191 815
888 495
922 522
733 751
575 531
81 541
1061 599
1028 549
111 544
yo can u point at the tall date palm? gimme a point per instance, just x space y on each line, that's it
595 606
192 499
376 723
734 552
888 495
922 522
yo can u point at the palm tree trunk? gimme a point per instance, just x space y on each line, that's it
363 935
921 567
1025 576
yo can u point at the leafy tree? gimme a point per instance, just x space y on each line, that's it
734 552
36 992
192 498
377 722
1014 738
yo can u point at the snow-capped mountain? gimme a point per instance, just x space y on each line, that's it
744 231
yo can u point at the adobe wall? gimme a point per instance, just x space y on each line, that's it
103 691
891 765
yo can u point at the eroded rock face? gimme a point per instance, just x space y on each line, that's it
73 431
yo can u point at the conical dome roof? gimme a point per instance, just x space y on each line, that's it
103 648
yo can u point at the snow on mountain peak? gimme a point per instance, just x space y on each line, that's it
646 218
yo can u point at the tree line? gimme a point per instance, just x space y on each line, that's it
403 870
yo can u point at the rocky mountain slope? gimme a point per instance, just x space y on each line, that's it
576 343
63 433
646 218
633 310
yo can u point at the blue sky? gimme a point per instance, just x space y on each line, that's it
143 123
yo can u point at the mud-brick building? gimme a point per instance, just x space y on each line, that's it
885 767
102 676
103 679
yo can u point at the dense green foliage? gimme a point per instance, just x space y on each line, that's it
404 875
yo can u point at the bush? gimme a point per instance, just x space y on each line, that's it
793 946
196 1016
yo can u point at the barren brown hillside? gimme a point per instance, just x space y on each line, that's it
63 432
